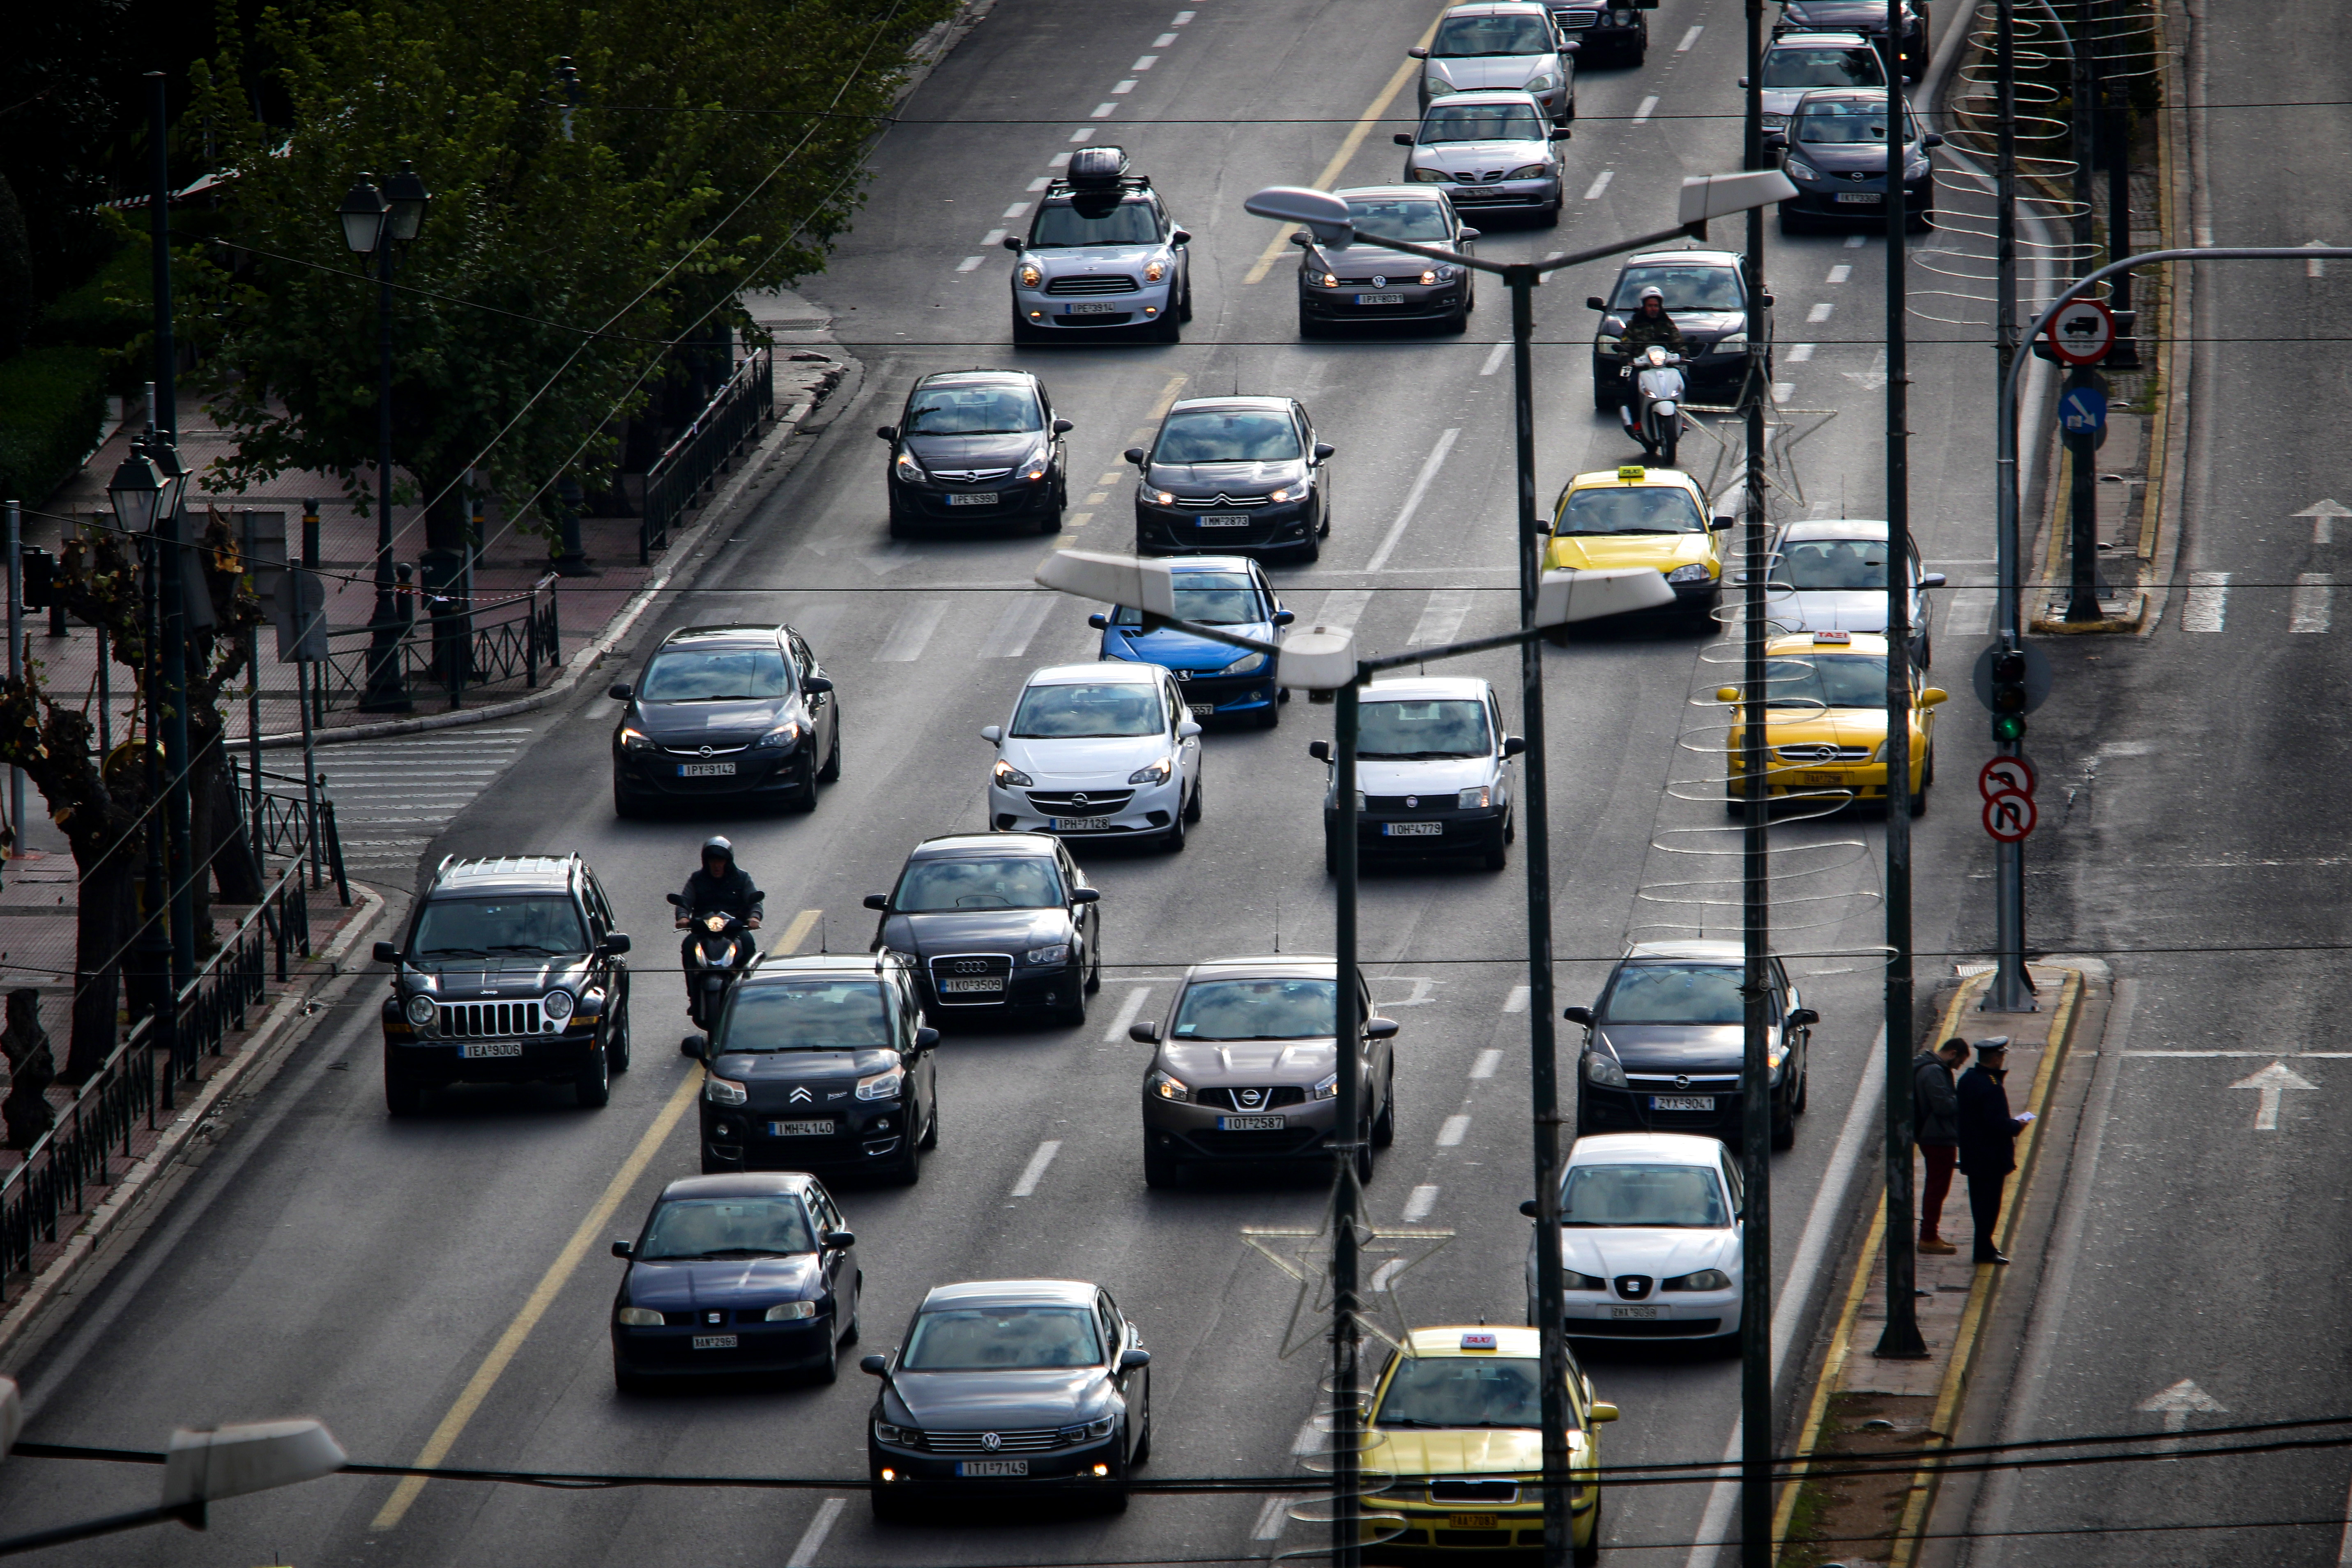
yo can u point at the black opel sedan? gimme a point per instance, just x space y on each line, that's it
735 713
821 1063
1006 1389
977 446
1834 152
737 1275
994 923
1233 475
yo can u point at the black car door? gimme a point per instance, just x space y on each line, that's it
840 1263
1135 1387
923 1103
604 969
1085 918
825 714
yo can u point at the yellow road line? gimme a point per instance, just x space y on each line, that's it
1348 147
796 933
1167 398
551 1283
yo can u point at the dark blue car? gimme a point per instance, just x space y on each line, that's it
746 1273
1218 679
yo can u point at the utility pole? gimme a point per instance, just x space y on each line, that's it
1347 1151
2082 596
161 945
2010 991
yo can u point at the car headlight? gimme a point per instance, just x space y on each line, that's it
882 1085
1168 1087
723 1091
1530 172
1798 171
1542 81
1360 800
1774 1054
1694 573
903 956
1157 772
1331 280
1030 276
421 1010
784 735
556 1004
638 1317
1037 465
1604 1071
1436 89
1248 664
1298 492
1475 798
789 1311
1569 1280
1326 1089
1776 122
1705 1280
1102 1426
910 470
1737 344
1056 952
1429 177
1620 19
1878 753
1010 777
1163 498
634 739
1153 271
904 1437
1916 171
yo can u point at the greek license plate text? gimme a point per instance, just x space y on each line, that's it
1089 311
1821 778
1413 829
714 1341
1250 1123
801 1129
1471 1522
985 983
1379 298
1080 824
1682 1102
1633 1311
992 1468
977 498
1223 521
705 770
483 1049
1202 709
1859 198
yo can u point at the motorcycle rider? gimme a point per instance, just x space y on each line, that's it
719 886
1651 324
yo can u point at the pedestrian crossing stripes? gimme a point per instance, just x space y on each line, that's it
392 798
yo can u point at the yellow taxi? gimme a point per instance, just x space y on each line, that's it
1825 723
1634 516
1456 1422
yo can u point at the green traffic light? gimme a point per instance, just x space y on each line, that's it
2009 727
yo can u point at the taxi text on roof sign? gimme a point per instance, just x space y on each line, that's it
1478 1340
1833 637
1632 473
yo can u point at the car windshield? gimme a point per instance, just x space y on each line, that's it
1686 287
1833 563
1227 435
974 411
1631 509
1823 67
1082 221
1092 711
481 928
1002 1339
1674 993
1482 122
715 675
1839 681
1258 1010
807 1016
996 882
1454 1392
1850 122
1379 219
1211 598
727 1227
1684 1197
1469 37
1415 731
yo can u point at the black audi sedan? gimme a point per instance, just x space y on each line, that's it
741 714
735 1275
1010 1389
977 446
993 923
1233 475
821 1063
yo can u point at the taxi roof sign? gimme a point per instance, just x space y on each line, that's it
1478 1339
1837 637
1632 473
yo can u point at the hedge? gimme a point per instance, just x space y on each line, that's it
52 405
105 311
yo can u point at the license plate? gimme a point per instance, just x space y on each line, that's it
1250 1123
993 1466
987 983
1471 1522
1682 1102
1223 521
976 498
1379 298
801 1129
705 770
1859 198
1080 824
1202 709
1413 829
484 1049
1821 778
1623 1312
1089 311
714 1341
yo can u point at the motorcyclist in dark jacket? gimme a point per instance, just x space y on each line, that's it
1649 324
719 886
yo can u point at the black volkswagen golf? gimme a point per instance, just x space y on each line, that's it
821 1063
977 446
994 923
739 713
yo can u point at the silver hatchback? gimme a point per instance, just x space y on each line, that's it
1491 150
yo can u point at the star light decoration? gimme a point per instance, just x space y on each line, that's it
1384 1254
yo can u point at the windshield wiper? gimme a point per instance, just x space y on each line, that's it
1228 1039
452 953
736 1252
529 947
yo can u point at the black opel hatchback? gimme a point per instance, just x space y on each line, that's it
738 713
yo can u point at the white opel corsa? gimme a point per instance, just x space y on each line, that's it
1098 751
1650 1237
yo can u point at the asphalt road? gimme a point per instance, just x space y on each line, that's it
446 1275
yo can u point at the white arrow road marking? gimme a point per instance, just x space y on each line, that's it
2308 611
819 1528
1418 997
1874 378
2179 1402
2323 515
2272 1082
1441 618
1388 1272
1035 1171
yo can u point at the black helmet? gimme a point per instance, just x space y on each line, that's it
718 845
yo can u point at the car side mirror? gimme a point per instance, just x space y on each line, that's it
1320 750
1602 1411
1380 1028
1932 580
925 1037
839 1238
1561 134
1726 694
1134 455
1721 523
1933 139
1934 695
817 685
620 691
877 902
1403 139
623 1248
1804 1018
874 1365
1186 729
616 942
674 899
993 733
1302 241
1015 242
1180 237
1514 745
1283 617
1468 235
1324 452
1144 1033
1063 427
1416 53
1128 1360
1532 1209
1776 143
1098 620
1086 895
1595 302
386 953
886 432
1743 82
1765 299
695 1045
1577 1015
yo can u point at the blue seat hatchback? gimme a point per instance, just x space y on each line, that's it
1218 680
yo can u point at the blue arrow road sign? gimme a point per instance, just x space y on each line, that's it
2083 411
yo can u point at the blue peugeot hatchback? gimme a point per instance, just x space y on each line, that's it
1219 680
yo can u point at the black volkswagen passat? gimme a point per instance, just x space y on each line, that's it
739 713
976 446
821 1063
994 922
1010 1388
1232 475
737 1274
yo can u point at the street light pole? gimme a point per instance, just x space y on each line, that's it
376 224
169 884
1348 1155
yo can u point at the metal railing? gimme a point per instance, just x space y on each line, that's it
704 449
284 818
517 635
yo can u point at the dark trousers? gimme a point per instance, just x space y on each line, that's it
1940 1158
1984 1208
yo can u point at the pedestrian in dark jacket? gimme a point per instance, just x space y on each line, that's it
1936 1128
718 885
1988 1140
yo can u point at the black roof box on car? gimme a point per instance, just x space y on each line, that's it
1097 168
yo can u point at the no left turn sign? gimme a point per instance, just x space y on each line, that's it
2005 773
2009 816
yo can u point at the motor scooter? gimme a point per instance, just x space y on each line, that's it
719 948
1653 414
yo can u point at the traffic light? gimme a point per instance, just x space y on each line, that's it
2009 702
39 578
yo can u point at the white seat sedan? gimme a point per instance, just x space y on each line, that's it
1098 751
1650 1237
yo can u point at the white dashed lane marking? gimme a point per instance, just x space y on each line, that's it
1488 1060
970 264
1129 1012
1441 620
1516 1002
1837 274
812 1538
1034 1171
1593 193
1495 359
2208 602
2313 592
1819 313
1457 1128
1799 352
1689 39
913 632
1642 115
1417 1206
